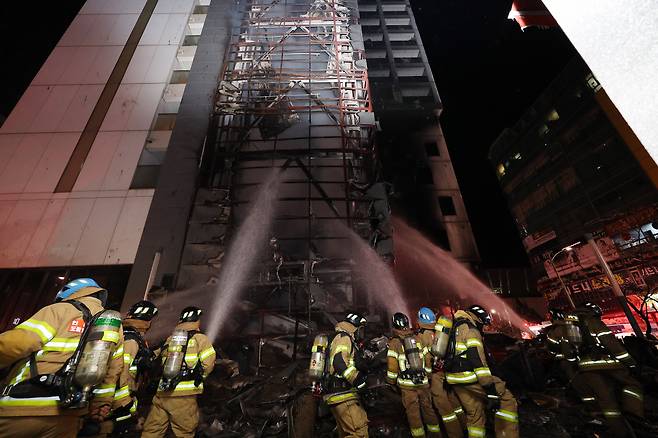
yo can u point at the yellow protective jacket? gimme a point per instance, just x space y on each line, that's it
558 345
53 333
469 363
426 337
341 364
128 379
199 349
601 350
397 365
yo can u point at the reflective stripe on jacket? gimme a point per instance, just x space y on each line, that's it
199 349
470 362
53 333
606 351
341 363
397 366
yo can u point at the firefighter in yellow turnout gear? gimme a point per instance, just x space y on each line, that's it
409 365
563 337
175 403
604 365
345 380
445 402
30 404
469 374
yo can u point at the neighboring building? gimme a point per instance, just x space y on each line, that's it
140 146
411 144
80 152
570 166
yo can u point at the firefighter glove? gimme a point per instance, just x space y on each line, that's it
493 399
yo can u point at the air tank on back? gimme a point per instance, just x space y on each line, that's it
175 354
99 346
412 352
441 336
318 357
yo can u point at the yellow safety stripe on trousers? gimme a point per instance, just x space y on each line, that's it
41 328
110 336
434 428
475 432
391 375
417 431
29 402
205 354
593 363
122 393
349 371
187 385
461 378
448 418
510 416
407 383
482 371
62 344
473 342
118 353
637 395
338 398
105 390
612 413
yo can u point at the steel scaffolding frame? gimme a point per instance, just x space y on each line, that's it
294 95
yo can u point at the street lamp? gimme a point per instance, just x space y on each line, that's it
567 248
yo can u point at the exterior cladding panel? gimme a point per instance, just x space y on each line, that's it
101 220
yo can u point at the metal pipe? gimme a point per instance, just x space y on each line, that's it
564 286
616 289
152 273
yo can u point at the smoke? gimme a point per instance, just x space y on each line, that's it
432 277
371 272
243 253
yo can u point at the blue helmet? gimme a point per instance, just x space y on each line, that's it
426 316
73 286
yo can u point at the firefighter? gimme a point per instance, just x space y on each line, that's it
604 364
563 337
175 402
345 379
445 402
137 360
409 364
40 348
468 373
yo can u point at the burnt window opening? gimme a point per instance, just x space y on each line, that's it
447 206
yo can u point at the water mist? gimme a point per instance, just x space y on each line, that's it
243 253
431 276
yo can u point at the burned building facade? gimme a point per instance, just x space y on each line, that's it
167 145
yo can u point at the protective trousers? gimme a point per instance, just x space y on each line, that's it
447 404
55 426
612 388
474 400
182 413
417 403
580 386
351 419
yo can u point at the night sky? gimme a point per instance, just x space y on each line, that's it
487 72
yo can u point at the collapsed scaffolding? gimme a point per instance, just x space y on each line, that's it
294 96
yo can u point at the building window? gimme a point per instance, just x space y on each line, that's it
425 176
447 206
432 149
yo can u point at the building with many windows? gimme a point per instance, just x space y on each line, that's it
139 147
572 166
